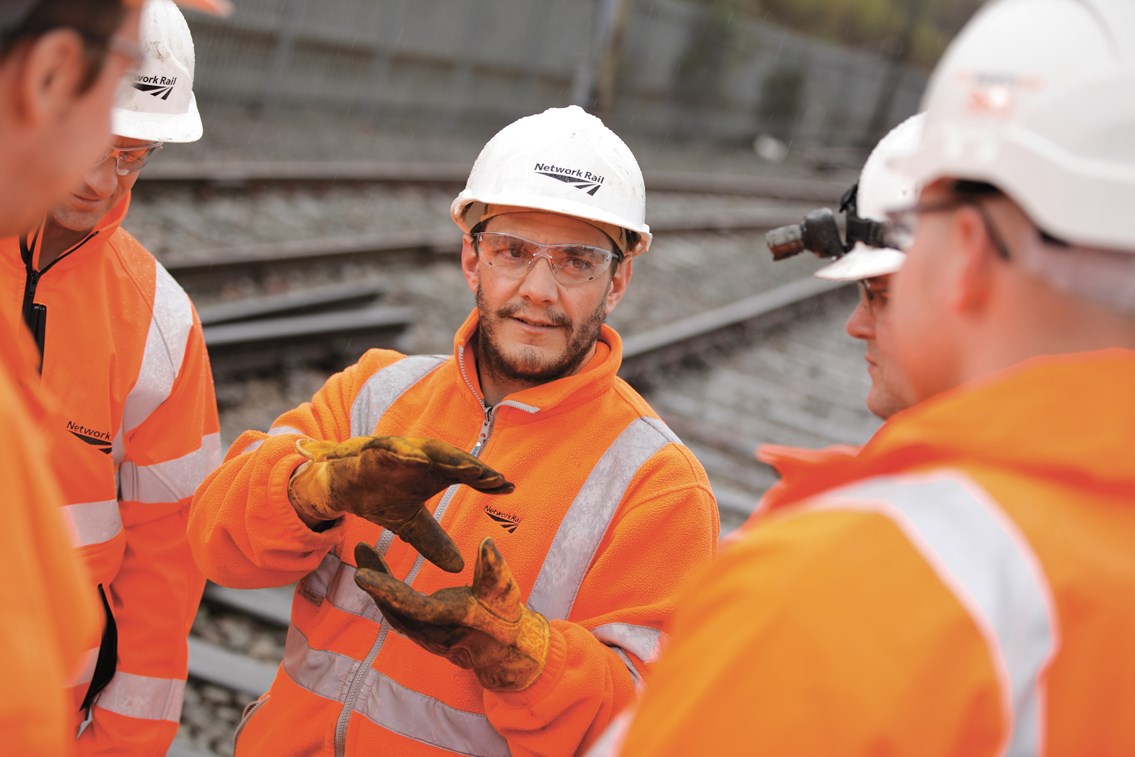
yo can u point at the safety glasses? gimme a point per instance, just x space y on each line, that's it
128 160
902 224
513 256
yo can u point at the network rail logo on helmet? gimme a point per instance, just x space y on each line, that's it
577 177
156 86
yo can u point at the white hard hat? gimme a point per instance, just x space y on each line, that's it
1037 97
563 160
159 105
880 188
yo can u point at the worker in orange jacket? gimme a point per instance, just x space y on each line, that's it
867 260
123 352
962 586
580 514
60 64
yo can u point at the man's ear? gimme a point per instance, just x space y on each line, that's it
974 263
51 72
469 263
619 283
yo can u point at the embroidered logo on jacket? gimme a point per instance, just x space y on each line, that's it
506 521
100 440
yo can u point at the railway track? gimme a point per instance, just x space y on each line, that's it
265 333
199 268
213 176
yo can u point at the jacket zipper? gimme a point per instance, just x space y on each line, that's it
488 413
356 685
35 315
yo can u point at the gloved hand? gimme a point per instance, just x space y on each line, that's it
387 479
484 627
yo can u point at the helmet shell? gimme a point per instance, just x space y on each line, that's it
159 105
881 188
1037 97
563 160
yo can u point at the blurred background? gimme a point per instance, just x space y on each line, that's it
815 73
311 222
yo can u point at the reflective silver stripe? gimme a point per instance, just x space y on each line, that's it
92 522
385 386
389 704
274 431
590 514
988 564
641 641
144 697
172 480
611 742
164 352
334 581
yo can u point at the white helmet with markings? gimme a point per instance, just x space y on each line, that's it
1037 98
880 188
566 161
159 105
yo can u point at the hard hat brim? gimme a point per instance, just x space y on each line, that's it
158 127
463 202
863 262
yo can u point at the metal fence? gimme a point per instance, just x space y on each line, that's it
681 70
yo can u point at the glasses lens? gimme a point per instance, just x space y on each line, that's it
130 160
898 232
876 293
514 256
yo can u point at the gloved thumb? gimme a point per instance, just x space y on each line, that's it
493 584
313 449
427 536
368 558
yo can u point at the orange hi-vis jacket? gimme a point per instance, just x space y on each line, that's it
124 355
49 615
609 514
962 587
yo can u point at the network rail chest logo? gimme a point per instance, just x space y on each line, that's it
507 521
100 440
584 181
156 86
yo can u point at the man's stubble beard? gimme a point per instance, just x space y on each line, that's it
527 366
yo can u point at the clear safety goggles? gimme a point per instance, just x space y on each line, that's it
128 160
513 256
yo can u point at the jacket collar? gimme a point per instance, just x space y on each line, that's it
595 378
1064 417
1050 415
102 232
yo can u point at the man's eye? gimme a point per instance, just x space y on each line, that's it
514 251
581 263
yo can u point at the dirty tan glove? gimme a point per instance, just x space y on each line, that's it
386 479
484 627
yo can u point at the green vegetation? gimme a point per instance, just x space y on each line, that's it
916 31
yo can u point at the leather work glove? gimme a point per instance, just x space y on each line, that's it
484 627
386 480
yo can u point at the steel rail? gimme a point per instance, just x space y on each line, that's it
243 175
274 343
225 262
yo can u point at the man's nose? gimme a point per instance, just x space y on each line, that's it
103 178
861 322
539 283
